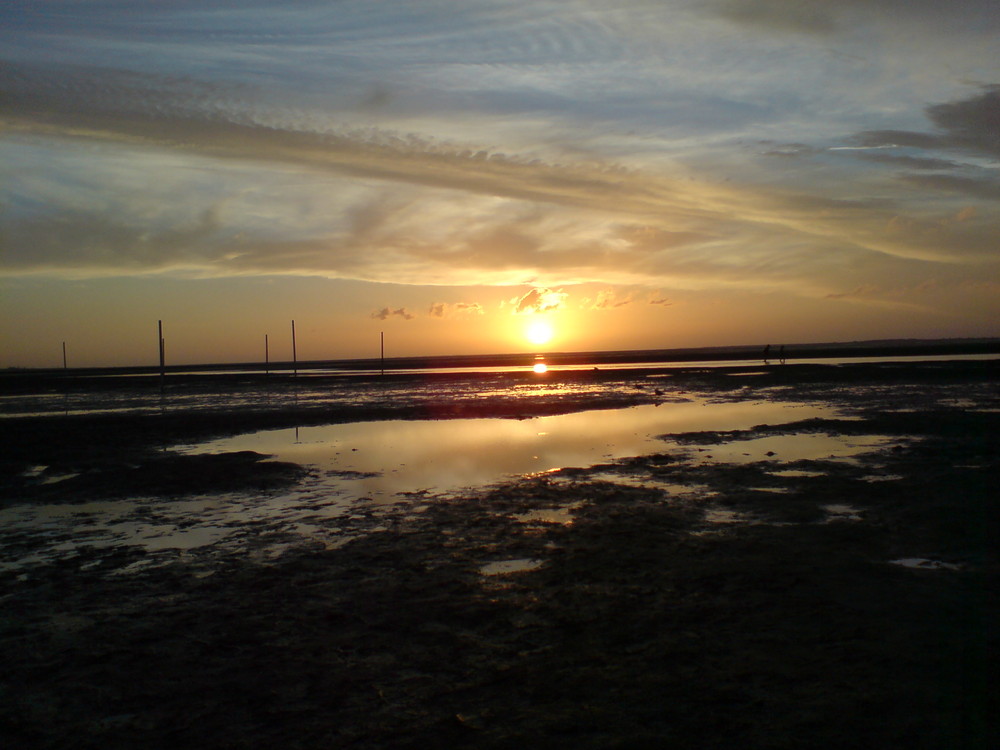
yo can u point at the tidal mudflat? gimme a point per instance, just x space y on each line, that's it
776 558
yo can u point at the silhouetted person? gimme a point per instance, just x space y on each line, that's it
767 351
781 354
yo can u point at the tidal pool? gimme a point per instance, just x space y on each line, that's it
380 459
367 476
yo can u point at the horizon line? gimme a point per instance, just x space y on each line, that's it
869 347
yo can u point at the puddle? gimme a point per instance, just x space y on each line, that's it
220 522
721 515
923 563
56 478
634 479
380 459
507 567
838 512
564 515
791 448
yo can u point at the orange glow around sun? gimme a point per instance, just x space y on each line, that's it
539 332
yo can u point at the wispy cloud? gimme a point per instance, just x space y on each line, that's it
538 300
449 310
608 299
781 15
819 17
971 125
987 188
570 223
911 162
385 313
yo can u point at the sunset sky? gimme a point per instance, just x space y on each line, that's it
635 174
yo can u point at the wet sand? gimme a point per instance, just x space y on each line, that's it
695 596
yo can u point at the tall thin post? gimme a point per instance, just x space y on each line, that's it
267 358
381 336
162 353
64 355
295 358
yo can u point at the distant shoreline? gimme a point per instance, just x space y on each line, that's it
880 348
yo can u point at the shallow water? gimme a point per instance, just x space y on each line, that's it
131 394
450 455
794 447
507 567
368 476
185 397
923 563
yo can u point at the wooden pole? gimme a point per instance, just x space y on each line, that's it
64 355
295 358
162 353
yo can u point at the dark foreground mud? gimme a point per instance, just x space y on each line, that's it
629 617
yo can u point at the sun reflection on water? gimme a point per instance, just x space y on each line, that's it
360 471
379 459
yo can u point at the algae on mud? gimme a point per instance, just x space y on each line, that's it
637 629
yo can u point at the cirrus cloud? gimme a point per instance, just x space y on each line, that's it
564 149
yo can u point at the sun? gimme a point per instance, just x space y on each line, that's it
539 332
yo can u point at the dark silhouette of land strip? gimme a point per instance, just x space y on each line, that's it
900 348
